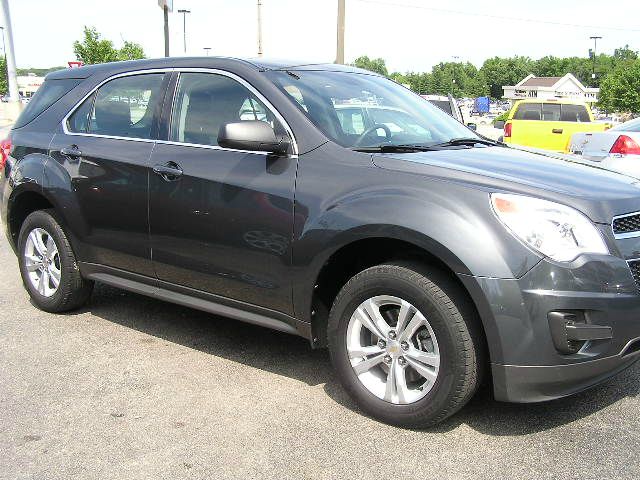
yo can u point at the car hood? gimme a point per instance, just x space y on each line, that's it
598 193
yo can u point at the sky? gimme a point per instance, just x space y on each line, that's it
411 35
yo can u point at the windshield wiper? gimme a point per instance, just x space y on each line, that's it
467 141
388 148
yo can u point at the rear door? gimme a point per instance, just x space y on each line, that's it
105 149
222 222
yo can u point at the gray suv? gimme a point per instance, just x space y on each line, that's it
331 203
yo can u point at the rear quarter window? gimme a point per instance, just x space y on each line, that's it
49 93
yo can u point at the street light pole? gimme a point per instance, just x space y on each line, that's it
259 28
340 35
184 26
595 47
9 54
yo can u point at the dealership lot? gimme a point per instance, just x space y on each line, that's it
131 387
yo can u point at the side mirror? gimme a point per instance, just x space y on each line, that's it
498 124
252 135
472 126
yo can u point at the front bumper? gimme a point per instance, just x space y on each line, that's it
516 383
526 363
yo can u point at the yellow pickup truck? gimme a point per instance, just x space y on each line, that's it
548 124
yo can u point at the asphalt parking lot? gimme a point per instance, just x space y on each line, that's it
131 387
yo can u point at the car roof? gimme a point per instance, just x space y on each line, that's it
564 101
259 64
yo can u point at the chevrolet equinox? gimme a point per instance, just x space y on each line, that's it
331 203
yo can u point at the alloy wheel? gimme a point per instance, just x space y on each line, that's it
392 349
42 262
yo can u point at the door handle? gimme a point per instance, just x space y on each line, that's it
557 130
71 151
169 171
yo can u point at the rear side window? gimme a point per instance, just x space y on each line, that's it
49 93
575 113
528 111
123 107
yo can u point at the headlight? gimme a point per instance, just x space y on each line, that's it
556 231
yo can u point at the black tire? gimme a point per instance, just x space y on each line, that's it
454 320
73 291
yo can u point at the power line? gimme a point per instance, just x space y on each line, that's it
496 17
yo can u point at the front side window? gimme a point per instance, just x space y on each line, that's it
206 101
123 107
360 110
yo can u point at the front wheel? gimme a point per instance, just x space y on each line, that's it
48 265
404 342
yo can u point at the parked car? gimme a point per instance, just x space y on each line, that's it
449 105
426 259
547 125
616 149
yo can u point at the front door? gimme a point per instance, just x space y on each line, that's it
106 151
221 220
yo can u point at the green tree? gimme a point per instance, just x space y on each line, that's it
498 72
372 64
94 49
620 89
4 83
131 51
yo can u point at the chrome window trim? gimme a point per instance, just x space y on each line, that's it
621 236
215 71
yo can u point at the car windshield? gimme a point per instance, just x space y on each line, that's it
359 110
630 126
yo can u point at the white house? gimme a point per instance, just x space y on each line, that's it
544 88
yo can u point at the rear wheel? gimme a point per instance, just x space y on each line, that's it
48 265
404 344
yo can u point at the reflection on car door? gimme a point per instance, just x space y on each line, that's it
221 220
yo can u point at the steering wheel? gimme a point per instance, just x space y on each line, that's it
370 130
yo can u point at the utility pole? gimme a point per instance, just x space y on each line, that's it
9 54
206 49
595 47
4 48
340 39
184 27
165 8
259 28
